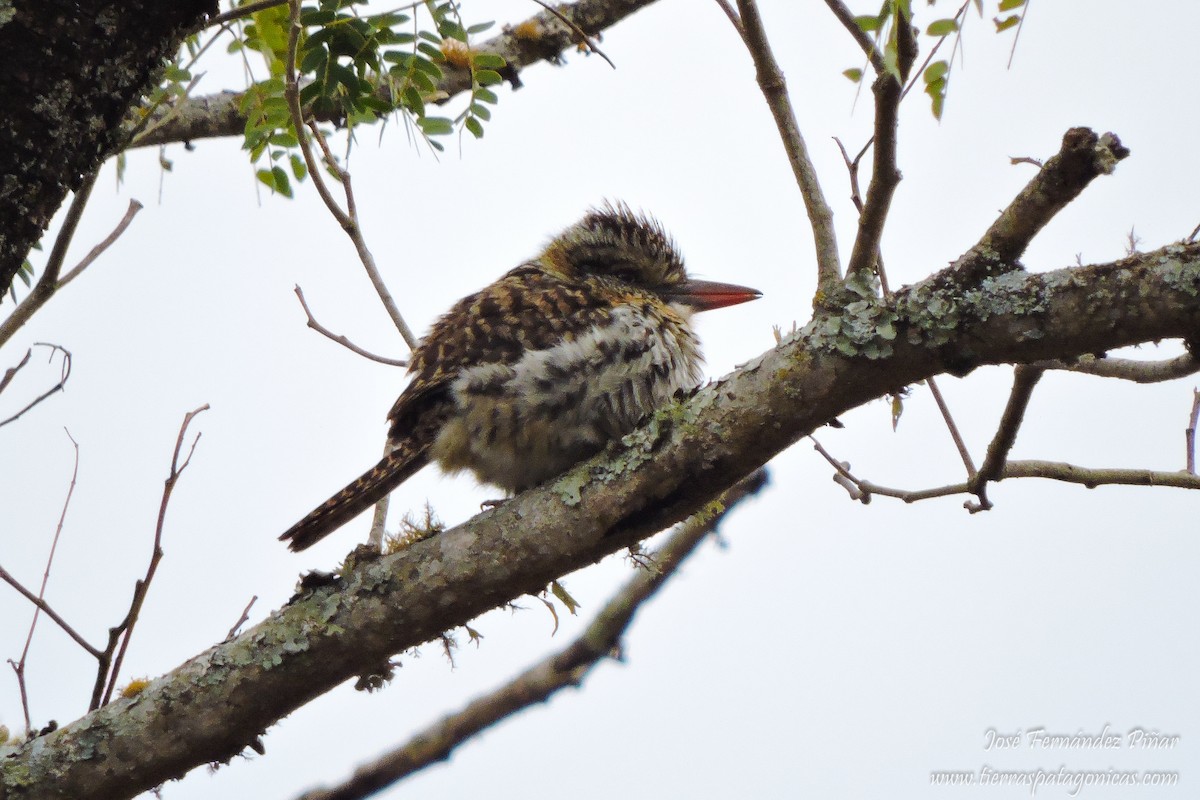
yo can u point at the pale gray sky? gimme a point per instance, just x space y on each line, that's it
832 649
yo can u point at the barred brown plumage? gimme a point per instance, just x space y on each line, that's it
542 368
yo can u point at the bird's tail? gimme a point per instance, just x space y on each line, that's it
372 486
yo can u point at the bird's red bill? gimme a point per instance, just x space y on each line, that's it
707 295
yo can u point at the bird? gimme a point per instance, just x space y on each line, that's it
544 367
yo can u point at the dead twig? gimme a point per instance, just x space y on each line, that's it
106 678
62 380
242 619
342 340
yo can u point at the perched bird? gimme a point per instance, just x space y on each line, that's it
542 368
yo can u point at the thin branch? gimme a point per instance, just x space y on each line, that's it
862 490
1128 369
1025 379
585 39
885 176
736 21
963 452
342 340
347 219
49 284
11 372
105 243
774 90
243 618
1189 434
1093 477
46 286
19 665
62 379
846 17
8 578
568 667
124 631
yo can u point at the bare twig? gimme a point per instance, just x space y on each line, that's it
1049 470
774 89
568 667
954 433
1128 369
19 665
242 619
49 283
1024 380
1017 36
347 219
105 243
44 289
11 372
342 340
585 39
8 578
734 19
123 632
62 380
1190 432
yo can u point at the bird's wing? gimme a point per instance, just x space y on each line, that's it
527 309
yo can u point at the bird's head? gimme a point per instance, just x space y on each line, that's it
615 243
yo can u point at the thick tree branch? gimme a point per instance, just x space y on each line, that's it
566 668
213 706
218 115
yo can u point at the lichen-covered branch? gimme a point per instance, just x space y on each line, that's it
566 668
542 37
671 467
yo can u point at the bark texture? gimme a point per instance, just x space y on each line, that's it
72 69
221 701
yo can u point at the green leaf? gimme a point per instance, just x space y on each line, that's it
1007 22
483 112
936 70
314 61
942 27
436 126
474 126
564 597
487 77
488 61
1009 5
868 24
434 53
299 168
486 96
480 28
853 74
